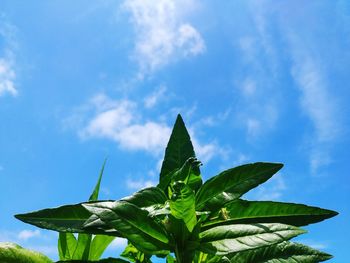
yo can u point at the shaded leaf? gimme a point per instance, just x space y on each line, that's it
284 252
178 150
13 253
133 223
66 245
67 218
233 183
227 239
241 211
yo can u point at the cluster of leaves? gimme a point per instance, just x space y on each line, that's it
185 220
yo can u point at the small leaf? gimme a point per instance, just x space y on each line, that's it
227 239
134 255
233 183
178 150
13 253
95 193
67 244
182 204
241 211
83 247
283 252
99 245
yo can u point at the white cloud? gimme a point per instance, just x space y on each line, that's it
118 243
152 100
271 190
138 184
118 124
162 33
121 121
316 101
7 59
28 234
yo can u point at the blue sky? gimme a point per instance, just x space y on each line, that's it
254 81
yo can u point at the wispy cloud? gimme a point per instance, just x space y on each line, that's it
317 100
136 184
152 100
162 32
28 234
123 121
7 59
271 190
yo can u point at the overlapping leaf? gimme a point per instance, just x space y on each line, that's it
133 223
222 240
233 183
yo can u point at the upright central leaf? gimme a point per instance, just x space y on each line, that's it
182 205
178 150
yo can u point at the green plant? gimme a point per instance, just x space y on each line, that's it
192 220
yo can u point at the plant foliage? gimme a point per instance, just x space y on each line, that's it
185 220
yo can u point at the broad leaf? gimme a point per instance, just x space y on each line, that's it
284 252
241 211
178 150
147 197
13 253
233 183
227 239
67 218
99 245
182 204
133 223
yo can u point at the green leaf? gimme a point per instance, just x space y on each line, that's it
189 173
221 240
284 252
99 245
241 211
13 253
105 260
133 223
182 204
66 245
95 193
134 255
67 218
83 246
178 150
147 197
170 259
233 183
